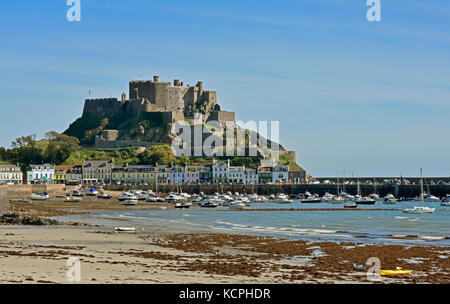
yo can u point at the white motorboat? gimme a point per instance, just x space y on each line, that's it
129 202
73 199
173 198
311 199
184 205
184 195
389 199
209 204
37 197
327 197
429 198
127 196
282 198
139 195
236 205
225 198
44 194
420 209
261 199
374 196
244 200
154 199
76 193
365 201
348 197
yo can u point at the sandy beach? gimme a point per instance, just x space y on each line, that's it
40 254
163 254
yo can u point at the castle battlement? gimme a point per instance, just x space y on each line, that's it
102 100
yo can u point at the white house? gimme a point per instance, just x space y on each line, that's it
251 176
280 173
44 173
236 174
220 170
10 174
192 175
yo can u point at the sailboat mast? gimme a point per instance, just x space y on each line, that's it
343 183
421 185
337 182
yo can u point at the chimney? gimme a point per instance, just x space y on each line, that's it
155 78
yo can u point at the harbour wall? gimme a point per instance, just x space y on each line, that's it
19 191
398 191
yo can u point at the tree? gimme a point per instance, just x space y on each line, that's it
60 147
162 155
24 141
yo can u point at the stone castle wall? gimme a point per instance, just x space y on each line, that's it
101 143
176 97
222 116
102 107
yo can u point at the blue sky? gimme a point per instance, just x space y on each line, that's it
370 98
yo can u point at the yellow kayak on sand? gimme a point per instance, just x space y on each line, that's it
397 271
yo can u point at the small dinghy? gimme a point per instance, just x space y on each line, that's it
350 206
397 271
125 229
359 267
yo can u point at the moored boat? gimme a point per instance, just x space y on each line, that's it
129 202
37 197
397 271
104 195
125 229
209 204
420 209
126 196
184 205
365 201
73 199
311 199
236 205
389 199
350 205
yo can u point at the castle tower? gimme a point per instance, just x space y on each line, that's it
200 88
124 96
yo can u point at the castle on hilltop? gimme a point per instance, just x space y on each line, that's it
176 100
168 102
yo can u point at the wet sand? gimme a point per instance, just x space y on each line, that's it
161 254
39 255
